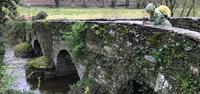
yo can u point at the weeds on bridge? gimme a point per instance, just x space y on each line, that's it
76 39
175 59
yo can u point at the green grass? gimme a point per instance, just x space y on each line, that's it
90 13
83 13
177 12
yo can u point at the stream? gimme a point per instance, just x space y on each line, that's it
15 70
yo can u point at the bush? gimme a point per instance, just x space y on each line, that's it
88 86
76 39
15 31
8 10
41 15
23 50
15 92
39 63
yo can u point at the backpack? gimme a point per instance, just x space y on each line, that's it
165 10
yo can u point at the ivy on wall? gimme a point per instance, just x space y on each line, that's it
76 39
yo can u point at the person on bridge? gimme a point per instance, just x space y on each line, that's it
159 15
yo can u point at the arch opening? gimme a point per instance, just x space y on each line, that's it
64 65
37 48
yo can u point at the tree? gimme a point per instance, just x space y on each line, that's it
141 3
113 3
171 4
8 10
84 3
191 7
57 3
102 3
184 4
194 8
127 3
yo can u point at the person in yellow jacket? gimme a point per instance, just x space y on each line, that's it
159 15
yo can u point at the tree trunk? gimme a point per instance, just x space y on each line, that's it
127 3
171 4
193 1
113 3
183 8
84 3
102 3
137 4
194 9
57 3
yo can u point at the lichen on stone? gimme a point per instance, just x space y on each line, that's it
23 50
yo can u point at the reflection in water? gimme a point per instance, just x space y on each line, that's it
16 70
60 84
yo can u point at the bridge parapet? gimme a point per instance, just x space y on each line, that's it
192 23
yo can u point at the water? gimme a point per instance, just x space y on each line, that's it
16 71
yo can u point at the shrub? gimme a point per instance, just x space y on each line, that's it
15 31
76 39
41 15
23 50
39 63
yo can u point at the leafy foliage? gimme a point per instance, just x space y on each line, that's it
7 13
168 55
15 31
88 86
76 39
39 62
21 50
41 15
8 10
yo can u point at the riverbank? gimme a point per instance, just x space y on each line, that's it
16 75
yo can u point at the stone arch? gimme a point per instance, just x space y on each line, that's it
37 48
64 65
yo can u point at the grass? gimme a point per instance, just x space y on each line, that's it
90 13
178 12
83 13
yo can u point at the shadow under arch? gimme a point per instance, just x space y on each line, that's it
37 48
64 64
134 87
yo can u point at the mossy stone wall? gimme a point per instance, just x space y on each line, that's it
123 52
192 23
120 52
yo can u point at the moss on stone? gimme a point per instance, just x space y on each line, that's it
39 62
88 86
155 39
23 49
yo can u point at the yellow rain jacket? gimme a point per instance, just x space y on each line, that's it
165 10
160 15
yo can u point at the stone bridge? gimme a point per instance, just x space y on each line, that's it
119 51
